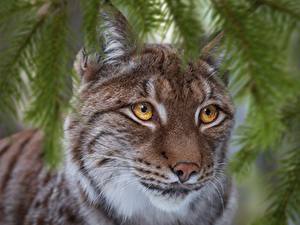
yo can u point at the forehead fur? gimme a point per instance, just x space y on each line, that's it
162 65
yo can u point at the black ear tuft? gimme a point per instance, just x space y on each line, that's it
87 66
115 35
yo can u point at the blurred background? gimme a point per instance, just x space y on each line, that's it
261 55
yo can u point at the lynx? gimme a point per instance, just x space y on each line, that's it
145 143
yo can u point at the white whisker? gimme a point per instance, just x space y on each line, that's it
219 194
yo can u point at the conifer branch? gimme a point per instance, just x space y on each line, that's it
187 29
91 10
146 16
233 27
251 62
50 83
14 60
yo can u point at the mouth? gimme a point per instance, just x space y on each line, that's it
171 197
172 190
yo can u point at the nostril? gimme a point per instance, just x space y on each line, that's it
193 173
179 173
164 155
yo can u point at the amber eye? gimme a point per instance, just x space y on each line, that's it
143 111
209 114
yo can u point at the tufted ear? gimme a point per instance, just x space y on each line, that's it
116 40
116 36
213 56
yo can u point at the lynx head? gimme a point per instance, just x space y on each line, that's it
145 129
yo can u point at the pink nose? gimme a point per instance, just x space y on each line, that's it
185 170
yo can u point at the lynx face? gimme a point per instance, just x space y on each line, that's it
147 130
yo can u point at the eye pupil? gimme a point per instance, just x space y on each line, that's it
144 108
208 112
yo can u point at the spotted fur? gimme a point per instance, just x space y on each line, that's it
117 168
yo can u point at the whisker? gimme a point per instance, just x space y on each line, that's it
137 164
109 157
220 184
219 194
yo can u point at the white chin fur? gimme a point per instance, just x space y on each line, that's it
132 199
165 203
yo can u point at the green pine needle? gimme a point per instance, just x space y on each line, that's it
91 17
16 59
187 29
145 16
50 87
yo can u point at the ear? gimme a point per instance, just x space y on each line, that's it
87 66
116 40
211 54
115 35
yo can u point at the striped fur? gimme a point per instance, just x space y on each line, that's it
119 169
